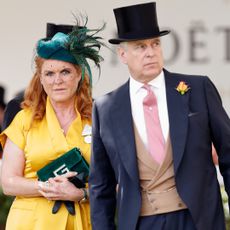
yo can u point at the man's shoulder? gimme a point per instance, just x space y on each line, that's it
185 76
113 96
196 82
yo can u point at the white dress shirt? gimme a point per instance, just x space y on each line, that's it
137 94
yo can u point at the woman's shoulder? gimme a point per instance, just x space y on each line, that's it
23 117
19 126
24 114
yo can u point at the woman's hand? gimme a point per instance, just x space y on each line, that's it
59 188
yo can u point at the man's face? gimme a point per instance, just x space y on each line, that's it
143 57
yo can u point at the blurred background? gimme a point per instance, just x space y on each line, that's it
199 42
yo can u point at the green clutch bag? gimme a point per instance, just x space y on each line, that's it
69 161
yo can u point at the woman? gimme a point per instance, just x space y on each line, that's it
56 117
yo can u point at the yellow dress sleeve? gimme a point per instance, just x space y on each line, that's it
17 130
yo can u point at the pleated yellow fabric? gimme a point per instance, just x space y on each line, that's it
42 143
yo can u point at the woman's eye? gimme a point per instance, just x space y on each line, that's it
65 72
49 74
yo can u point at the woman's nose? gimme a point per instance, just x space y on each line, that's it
58 79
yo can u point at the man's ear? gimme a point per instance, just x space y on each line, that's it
122 54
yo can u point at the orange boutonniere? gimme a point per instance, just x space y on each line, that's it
182 88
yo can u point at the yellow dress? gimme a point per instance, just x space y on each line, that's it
41 144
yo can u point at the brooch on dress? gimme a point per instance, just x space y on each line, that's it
87 133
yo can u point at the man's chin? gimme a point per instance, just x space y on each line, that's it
152 73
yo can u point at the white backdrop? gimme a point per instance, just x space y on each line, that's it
199 42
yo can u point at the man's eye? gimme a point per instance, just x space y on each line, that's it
140 46
157 43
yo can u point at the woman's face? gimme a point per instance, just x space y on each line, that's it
60 80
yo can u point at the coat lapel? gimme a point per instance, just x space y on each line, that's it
178 110
123 131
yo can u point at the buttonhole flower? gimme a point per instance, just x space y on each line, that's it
182 87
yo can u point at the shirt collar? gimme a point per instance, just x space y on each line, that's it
157 82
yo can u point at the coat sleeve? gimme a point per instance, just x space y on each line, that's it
220 131
102 182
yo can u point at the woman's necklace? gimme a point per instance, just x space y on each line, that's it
65 126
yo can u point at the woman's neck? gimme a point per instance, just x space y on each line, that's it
63 107
65 113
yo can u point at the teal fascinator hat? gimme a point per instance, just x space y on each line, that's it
56 48
76 47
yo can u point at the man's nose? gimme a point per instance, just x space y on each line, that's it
149 51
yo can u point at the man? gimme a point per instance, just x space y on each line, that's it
2 105
2 108
13 106
152 140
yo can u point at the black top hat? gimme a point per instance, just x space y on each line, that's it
137 22
52 29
